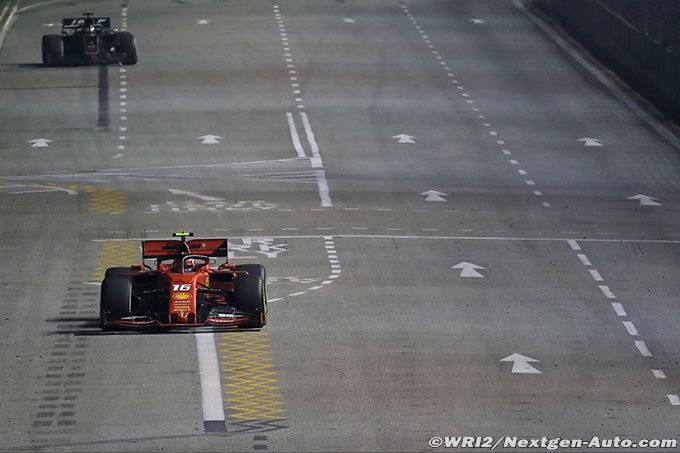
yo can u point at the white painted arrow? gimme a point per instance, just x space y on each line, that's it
468 269
405 138
348 20
434 195
194 195
589 141
40 143
645 200
477 21
210 139
520 364
203 22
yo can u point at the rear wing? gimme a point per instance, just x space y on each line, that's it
76 23
168 248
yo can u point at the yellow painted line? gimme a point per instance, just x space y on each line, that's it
249 379
106 201
112 254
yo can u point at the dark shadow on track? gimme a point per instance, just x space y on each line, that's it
81 326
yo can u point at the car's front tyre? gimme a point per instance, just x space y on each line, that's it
115 301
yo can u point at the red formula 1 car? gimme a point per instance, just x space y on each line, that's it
184 289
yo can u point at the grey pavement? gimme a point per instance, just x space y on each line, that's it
375 342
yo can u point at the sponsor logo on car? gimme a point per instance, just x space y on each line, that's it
182 296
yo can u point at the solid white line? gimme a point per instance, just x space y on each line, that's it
211 388
618 308
440 238
674 399
573 244
321 181
294 136
642 347
596 275
630 327
316 158
659 374
606 291
324 191
584 259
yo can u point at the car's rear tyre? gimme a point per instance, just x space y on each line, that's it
127 46
115 301
116 272
250 294
53 50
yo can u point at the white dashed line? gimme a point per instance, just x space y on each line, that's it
674 400
618 308
659 374
596 275
630 327
584 259
607 292
573 244
642 347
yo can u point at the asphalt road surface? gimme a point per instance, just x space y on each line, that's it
433 186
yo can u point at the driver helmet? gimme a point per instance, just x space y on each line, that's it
189 265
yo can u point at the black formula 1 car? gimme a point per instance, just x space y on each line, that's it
88 40
184 288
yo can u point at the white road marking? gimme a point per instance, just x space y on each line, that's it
295 136
468 269
40 142
659 374
209 139
118 156
299 293
513 162
606 291
674 399
521 364
275 300
596 275
573 244
194 195
522 172
588 141
506 152
618 308
630 327
211 386
645 200
434 195
642 347
404 138
538 193
584 259
443 238
529 182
